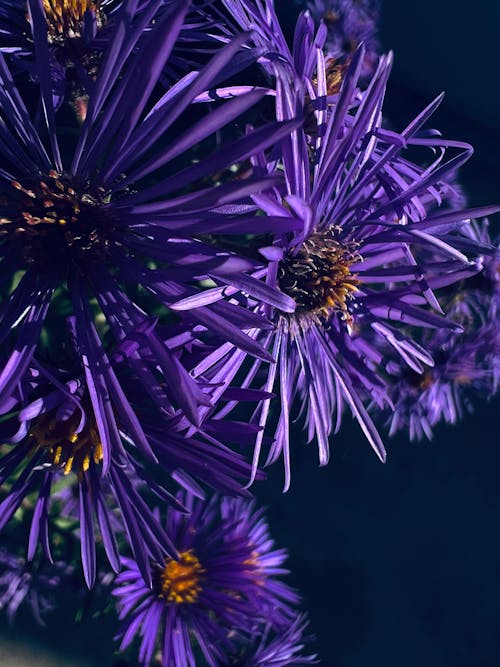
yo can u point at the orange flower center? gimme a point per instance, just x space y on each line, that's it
65 17
180 579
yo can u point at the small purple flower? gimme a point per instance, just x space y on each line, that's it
23 583
220 585
464 365
268 648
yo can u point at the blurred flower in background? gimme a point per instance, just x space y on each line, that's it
31 585
349 23
466 363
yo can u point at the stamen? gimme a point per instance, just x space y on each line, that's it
70 450
47 218
318 277
65 18
179 581
69 465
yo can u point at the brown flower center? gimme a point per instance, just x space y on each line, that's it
71 450
318 277
48 221
334 74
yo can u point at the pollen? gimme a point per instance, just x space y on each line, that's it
67 449
65 18
335 72
180 580
334 75
52 219
319 277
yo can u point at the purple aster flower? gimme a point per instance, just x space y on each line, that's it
376 239
220 585
268 648
54 436
24 583
111 233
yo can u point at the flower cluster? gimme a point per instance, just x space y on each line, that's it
206 233
466 363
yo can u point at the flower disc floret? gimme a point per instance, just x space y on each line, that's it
65 18
53 219
71 450
318 276
180 579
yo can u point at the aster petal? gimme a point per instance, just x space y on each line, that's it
355 403
24 348
169 113
39 522
87 535
119 49
42 64
103 518
196 133
15 109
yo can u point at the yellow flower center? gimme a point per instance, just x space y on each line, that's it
65 17
68 449
180 579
